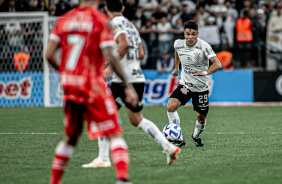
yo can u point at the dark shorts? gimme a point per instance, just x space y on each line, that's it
200 100
119 95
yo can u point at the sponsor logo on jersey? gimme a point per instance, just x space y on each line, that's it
184 90
208 52
189 84
197 56
189 59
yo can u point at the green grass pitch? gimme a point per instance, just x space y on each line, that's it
243 146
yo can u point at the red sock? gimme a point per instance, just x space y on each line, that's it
120 158
62 155
58 168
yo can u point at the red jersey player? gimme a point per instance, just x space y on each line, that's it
84 38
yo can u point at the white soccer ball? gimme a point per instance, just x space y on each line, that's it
172 132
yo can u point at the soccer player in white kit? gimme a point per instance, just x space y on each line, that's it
194 55
129 48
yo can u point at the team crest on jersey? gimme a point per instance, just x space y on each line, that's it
184 90
197 56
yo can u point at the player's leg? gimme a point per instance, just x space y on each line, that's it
147 126
103 159
102 119
120 157
201 106
73 127
180 96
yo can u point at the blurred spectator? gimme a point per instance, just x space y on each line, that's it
247 5
158 14
186 15
52 10
165 62
244 28
262 22
62 7
226 29
164 29
202 16
148 7
275 25
22 6
266 10
174 15
13 30
21 59
231 12
42 6
190 4
74 3
211 21
11 6
244 37
141 19
33 5
149 35
173 3
130 8
275 21
178 30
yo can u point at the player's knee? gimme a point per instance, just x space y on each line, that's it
201 119
171 107
72 140
135 120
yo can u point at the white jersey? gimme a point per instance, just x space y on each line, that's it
130 63
194 58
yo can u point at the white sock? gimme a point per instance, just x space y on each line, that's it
153 131
173 117
199 128
104 148
64 149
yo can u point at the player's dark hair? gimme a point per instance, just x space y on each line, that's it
114 5
191 24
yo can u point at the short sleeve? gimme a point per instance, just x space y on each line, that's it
177 44
56 34
208 51
106 35
118 29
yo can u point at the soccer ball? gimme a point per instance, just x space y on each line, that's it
172 132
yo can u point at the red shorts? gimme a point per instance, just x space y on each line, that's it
101 117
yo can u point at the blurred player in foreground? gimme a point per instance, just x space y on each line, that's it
194 55
85 39
131 51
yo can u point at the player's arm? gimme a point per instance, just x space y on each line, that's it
113 58
140 51
216 65
123 44
176 66
52 46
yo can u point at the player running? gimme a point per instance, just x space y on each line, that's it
130 50
194 55
84 38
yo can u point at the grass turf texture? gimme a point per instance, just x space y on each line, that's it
243 145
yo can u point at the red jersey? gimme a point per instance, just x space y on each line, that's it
82 33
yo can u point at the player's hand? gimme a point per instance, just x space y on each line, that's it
131 96
198 73
175 73
108 72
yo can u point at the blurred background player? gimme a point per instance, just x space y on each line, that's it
86 94
194 55
131 51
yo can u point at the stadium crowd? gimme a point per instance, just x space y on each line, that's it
237 26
